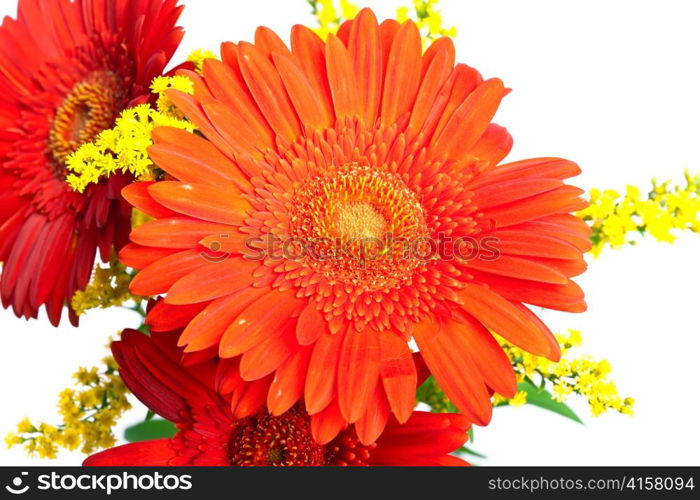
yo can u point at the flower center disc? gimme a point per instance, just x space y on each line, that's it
359 225
283 441
90 107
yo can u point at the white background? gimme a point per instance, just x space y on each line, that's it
612 85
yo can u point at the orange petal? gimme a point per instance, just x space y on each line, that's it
311 325
191 158
341 79
448 359
358 372
159 276
268 90
139 257
309 51
327 424
137 195
288 385
499 315
485 352
228 86
267 314
364 45
518 267
403 73
207 328
373 422
559 201
398 374
470 120
303 96
175 232
211 281
320 388
202 201
268 355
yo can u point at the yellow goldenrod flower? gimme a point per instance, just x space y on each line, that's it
109 287
614 218
124 148
582 375
198 57
89 413
330 14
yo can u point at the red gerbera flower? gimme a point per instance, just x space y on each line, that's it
325 148
67 69
208 434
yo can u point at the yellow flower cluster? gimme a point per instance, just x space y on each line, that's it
89 413
124 147
614 217
331 14
428 18
109 287
583 375
198 56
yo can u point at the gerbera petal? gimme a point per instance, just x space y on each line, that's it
228 86
311 325
153 453
174 151
341 79
268 90
502 317
403 72
257 321
137 194
320 386
158 277
309 51
485 352
176 232
288 385
398 374
208 327
211 281
518 267
364 45
447 356
358 372
326 424
470 120
201 201
375 419
268 355
303 96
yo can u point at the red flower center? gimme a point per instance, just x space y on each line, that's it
286 441
90 107
358 225
281 441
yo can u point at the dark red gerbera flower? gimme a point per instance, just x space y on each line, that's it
209 435
67 69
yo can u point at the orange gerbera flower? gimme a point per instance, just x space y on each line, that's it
209 435
345 199
67 69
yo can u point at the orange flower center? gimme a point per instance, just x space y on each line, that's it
359 225
90 107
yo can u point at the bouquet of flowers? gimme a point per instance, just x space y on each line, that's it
334 263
